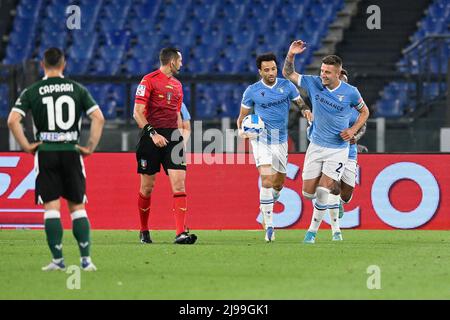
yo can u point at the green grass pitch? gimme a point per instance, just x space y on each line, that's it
233 265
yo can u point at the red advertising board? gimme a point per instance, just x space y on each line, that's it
394 192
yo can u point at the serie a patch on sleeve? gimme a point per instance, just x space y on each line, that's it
141 90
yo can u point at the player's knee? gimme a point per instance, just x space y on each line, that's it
146 190
277 186
309 196
322 195
78 214
336 190
178 187
266 182
347 197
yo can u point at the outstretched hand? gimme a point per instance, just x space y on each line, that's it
297 47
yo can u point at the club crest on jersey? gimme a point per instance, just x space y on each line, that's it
169 96
281 90
143 163
263 93
340 97
141 90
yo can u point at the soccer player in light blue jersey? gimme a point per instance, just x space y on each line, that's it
343 191
185 124
333 101
271 99
348 179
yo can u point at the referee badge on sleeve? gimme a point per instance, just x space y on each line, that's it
141 90
143 163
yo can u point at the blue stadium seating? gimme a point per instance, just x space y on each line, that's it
125 36
395 102
4 101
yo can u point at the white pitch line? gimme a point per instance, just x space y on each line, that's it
22 210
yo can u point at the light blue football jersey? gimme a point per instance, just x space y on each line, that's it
332 110
353 149
271 104
185 115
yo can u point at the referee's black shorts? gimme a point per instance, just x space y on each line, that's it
149 157
60 174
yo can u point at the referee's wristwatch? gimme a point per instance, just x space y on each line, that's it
148 129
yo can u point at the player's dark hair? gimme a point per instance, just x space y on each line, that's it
269 56
332 60
53 57
344 72
168 54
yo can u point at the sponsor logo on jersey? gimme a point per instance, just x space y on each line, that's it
58 136
275 103
328 103
141 90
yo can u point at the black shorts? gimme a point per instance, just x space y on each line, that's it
60 174
149 157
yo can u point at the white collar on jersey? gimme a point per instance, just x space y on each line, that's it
270 87
60 76
340 82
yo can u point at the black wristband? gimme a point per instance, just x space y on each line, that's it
148 129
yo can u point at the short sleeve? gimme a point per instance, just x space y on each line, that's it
185 115
356 101
88 102
143 92
22 104
294 94
306 81
247 99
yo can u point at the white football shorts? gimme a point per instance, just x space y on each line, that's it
320 160
270 154
349 176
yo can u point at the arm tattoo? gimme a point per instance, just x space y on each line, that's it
301 105
361 132
288 67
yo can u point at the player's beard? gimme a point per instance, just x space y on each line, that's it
270 80
174 69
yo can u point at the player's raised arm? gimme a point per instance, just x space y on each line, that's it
289 73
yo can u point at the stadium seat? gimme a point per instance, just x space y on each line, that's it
4 101
434 22
125 36
76 66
